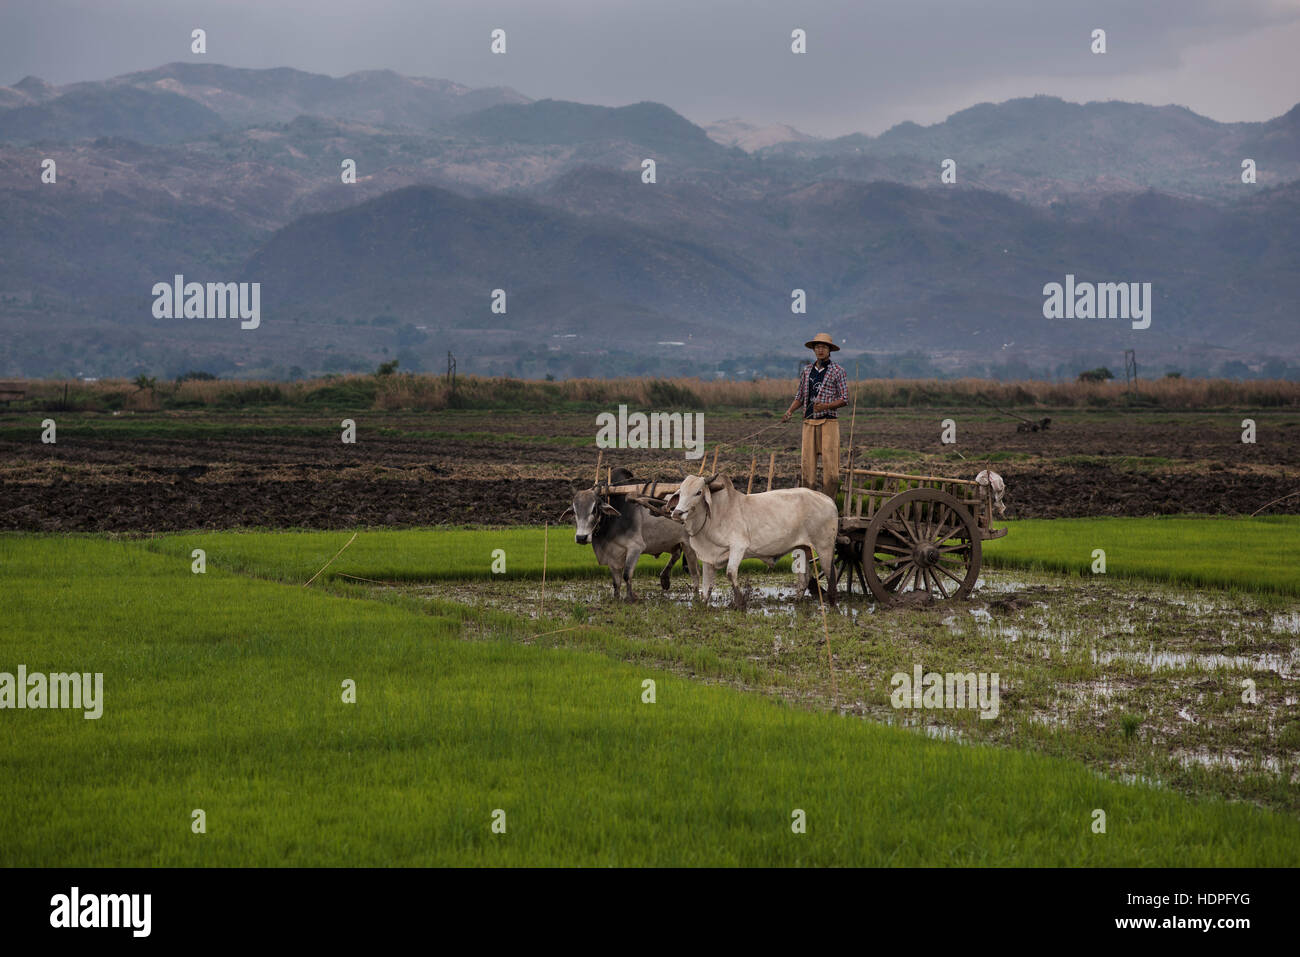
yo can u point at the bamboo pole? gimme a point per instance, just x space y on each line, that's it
771 470
661 489
848 492
915 478
853 421
753 461
716 450
600 457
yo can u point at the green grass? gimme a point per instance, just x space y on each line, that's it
1259 554
407 555
1256 554
222 692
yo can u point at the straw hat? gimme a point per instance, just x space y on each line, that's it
823 338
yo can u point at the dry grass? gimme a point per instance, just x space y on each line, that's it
426 392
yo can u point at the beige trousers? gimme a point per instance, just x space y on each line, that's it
821 437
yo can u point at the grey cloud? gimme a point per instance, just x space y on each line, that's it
869 64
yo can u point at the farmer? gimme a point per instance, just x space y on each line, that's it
823 388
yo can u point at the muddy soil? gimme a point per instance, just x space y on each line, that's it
203 470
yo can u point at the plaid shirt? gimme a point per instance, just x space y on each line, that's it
835 386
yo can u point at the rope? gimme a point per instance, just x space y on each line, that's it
1274 502
745 438
330 562
373 581
559 630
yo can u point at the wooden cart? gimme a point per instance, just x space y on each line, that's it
898 533
912 533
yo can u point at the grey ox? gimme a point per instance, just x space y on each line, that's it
726 526
621 531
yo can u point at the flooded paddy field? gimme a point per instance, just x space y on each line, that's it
1192 690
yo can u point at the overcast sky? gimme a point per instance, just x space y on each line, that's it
869 64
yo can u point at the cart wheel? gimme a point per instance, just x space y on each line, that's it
848 563
922 540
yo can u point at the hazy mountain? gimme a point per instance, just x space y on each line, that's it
377 97
26 92
151 116
1044 147
430 256
652 128
186 101
747 136
887 266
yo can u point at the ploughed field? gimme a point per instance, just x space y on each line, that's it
166 471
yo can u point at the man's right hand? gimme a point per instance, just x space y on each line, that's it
786 417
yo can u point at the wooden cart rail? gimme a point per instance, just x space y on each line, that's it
915 478
867 490
640 488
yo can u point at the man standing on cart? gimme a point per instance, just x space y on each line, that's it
823 388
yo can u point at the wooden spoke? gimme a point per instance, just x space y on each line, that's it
915 538
939 585
944 533
887 547
916 578
892 580
950 575
922 516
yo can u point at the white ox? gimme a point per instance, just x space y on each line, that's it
726 527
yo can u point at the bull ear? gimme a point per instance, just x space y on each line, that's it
708 497
567 512
672 501
608 509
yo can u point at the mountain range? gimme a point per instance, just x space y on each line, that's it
227 174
